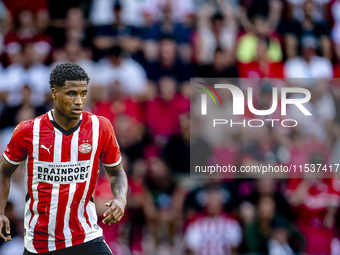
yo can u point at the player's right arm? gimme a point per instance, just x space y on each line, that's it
6 171
14 154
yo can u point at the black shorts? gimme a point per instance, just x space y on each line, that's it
96 246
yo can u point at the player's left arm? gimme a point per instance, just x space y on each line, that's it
119 186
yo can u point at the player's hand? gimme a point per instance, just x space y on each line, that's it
115 212
4 222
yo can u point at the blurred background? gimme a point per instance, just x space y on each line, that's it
140 56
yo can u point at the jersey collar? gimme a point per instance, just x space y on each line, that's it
65 132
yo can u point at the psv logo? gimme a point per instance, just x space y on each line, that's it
85 148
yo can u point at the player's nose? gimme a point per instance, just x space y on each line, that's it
78 100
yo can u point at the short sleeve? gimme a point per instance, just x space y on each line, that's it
193 236
15 151
110 154
234 233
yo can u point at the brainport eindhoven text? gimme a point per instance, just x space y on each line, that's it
63 175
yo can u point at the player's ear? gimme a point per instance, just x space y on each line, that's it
54 93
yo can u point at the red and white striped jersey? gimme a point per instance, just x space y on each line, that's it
61 169
213 235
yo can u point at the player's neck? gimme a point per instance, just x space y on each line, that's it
63 121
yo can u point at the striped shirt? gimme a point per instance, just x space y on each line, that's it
61 170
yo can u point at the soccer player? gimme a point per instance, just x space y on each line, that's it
61 151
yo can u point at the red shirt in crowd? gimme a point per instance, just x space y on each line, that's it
162 116
15 7
112 110
321 194
255 70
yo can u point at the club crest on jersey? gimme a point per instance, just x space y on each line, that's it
85 148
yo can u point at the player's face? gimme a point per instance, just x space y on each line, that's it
70 99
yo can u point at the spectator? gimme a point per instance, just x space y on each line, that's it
6 24
164 202
12 116
175 22
278 243
168 24
177 151
75 29
304 149
30 71
28 32
270 10
322 109
315 202
168 63
198 144
225 154
319 14
76 53
179 9
81 55
265 233
116 33
297 30
136 206
223 66
262 67
134 12
247 43
163 112
258 232
269 187
101 12
33 6
215 30
118 105
59 9
130 134
207 233
129 73
309 65
197 200
334 7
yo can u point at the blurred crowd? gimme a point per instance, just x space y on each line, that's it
140 56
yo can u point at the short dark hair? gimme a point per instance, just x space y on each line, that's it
115 51
67 72
117 6
166 36
218 50
217 17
